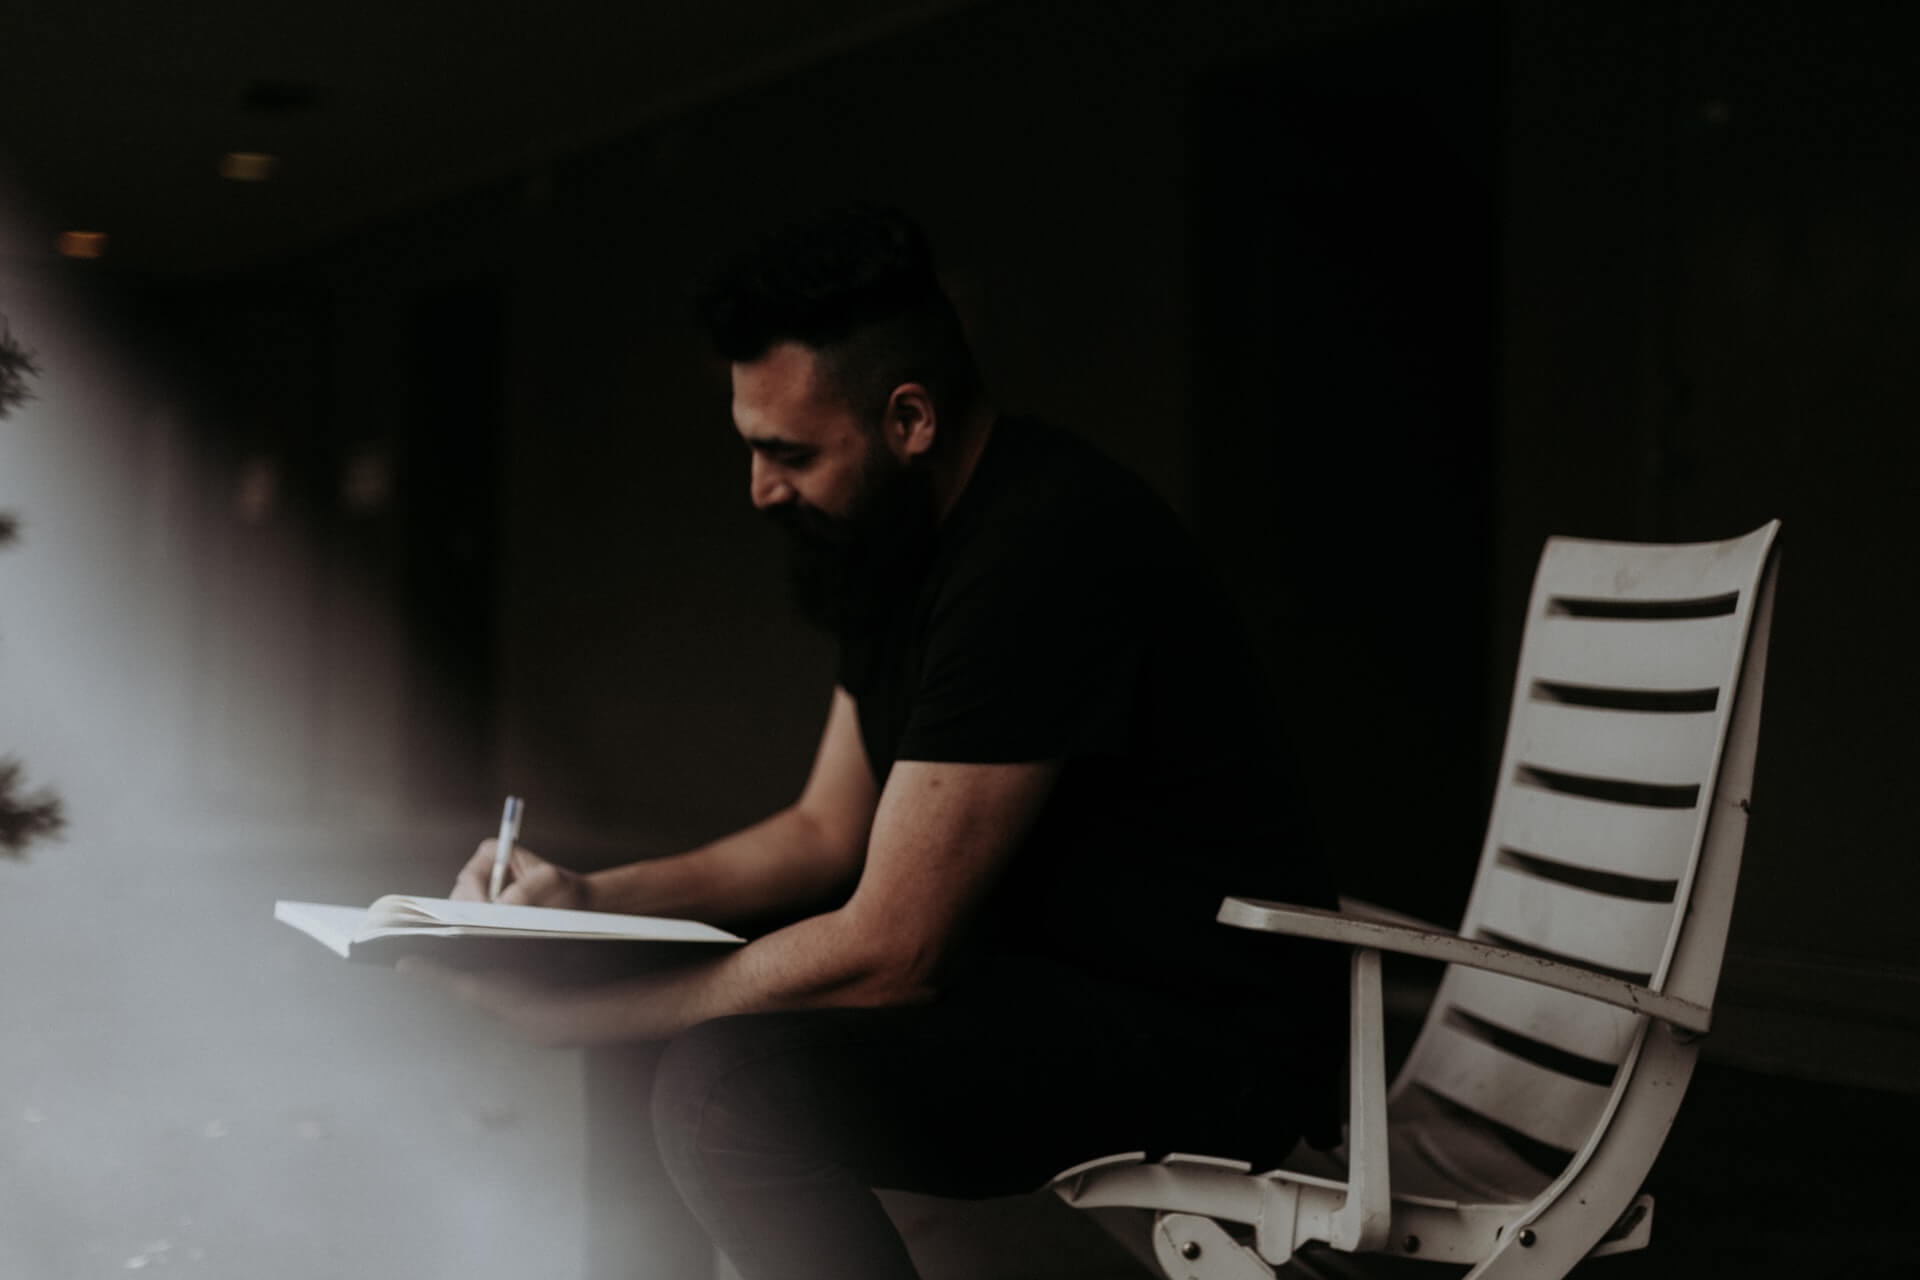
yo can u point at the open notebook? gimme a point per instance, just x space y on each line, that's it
396 925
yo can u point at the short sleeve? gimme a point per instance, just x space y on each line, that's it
1033 653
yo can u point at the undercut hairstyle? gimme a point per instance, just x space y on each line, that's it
856 286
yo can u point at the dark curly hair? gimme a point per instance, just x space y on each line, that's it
857 286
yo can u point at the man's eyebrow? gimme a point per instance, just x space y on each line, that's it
775 444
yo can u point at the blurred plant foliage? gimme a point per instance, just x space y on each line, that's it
25 816
17 368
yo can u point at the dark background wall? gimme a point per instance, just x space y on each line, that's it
1378 296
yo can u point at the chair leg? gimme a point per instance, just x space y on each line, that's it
1634 1230
1190 1247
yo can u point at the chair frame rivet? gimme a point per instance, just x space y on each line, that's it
1527 1238
1190 1250
1411 1244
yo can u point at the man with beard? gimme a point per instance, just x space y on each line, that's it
982 941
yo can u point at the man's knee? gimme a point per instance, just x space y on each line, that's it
726 1096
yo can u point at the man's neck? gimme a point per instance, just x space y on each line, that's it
950 483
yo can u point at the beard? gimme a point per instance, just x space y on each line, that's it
845 573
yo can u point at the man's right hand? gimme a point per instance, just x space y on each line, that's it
532 881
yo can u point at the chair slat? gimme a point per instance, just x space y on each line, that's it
1669 749
1545 1105
1643 653
1622 839
1611 933
1647 571
1594 1031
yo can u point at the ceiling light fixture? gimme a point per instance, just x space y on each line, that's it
247 166
82 244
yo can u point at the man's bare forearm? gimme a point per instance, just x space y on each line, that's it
780 866
833 959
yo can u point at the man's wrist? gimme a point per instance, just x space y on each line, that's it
593 893
614 889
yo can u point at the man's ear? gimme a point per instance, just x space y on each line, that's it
911 424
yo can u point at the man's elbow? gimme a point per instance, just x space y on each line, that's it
894 971
887 991
831 849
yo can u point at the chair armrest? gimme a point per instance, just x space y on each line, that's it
1437 944
1361 909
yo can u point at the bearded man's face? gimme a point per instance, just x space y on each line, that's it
846 571
860 521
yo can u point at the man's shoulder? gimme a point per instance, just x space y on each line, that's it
1052 490
1061 528
1043 453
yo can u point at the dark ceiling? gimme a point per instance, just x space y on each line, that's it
115 114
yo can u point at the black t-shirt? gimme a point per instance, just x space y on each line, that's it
1067 616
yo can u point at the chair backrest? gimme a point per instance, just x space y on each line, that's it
1616 832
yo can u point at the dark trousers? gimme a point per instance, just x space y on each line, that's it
768 1131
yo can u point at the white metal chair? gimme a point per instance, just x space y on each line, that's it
1565 1029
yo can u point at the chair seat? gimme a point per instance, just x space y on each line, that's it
1440 1157
1437 1153
1446 1211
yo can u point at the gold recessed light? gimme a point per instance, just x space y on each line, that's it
247 166
82 244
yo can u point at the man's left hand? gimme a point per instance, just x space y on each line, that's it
538 1012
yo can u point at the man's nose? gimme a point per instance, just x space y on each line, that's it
765 485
